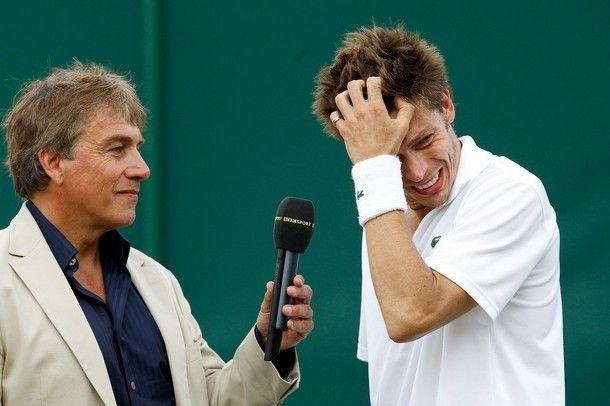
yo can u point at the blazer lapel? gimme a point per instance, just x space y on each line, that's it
35 264
154 285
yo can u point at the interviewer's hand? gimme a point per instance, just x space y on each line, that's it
366 126
299 313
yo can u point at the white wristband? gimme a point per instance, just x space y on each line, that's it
379 190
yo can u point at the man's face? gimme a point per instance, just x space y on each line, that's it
102 179
430 155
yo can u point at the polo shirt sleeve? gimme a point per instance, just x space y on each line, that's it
501 230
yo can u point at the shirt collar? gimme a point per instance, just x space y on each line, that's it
473 160
61 248
112 244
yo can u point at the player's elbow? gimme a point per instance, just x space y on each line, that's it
401 336
406 328
408 325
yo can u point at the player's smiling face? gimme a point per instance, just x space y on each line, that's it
430 156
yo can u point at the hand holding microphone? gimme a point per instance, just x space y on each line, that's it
286 316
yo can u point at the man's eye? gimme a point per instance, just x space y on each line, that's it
424 142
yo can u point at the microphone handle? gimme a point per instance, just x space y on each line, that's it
285 270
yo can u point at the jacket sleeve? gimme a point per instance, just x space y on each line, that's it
247 378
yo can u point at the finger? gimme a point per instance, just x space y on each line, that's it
343 104
405 110
373 89
301 293
267 299
301 327
298 311
334 117
298 280
355 89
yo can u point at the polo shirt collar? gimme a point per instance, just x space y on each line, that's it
473 160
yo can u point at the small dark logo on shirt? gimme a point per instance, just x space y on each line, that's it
359 194
435 241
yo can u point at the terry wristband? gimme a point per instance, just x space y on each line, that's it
378 183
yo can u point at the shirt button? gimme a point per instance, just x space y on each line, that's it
133 385
72 262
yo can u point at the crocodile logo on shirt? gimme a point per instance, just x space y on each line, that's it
435 241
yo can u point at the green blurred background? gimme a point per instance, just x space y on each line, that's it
228 85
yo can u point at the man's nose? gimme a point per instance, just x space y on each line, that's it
138 168
413 166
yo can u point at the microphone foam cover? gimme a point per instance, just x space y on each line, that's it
293 224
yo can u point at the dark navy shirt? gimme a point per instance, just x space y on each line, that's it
127 334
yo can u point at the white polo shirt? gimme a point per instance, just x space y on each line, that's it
497 238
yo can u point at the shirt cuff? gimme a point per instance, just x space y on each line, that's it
284 361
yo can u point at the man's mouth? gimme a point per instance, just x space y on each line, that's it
430 183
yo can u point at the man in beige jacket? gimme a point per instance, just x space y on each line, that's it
85 319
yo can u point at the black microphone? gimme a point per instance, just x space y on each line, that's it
292 230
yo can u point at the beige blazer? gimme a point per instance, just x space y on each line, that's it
49 355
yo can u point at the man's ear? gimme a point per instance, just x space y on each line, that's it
448 106
51 164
